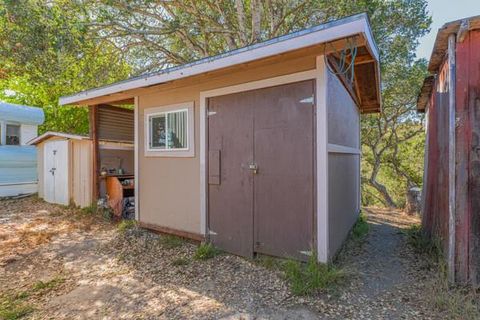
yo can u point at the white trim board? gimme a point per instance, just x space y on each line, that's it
135 161
322 160
204 95
328 32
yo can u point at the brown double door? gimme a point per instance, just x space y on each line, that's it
261 171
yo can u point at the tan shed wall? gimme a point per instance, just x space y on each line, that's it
170 187
343 168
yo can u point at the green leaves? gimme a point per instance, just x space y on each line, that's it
47 51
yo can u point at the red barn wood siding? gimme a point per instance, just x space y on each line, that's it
435 218
467 160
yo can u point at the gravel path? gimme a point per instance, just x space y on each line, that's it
107 274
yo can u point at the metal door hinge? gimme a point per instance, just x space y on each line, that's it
307 100
307 253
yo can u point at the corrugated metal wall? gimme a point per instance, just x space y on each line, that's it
115 124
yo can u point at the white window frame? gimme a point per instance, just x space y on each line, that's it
189 151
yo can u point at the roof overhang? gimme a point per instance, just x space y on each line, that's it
424 96
123 91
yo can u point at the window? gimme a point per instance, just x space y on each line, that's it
169 131
13 135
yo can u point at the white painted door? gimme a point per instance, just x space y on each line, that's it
56 174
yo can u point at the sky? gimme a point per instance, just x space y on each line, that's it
444 11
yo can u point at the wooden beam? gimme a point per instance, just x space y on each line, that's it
451 157
175 232
93 124
463 30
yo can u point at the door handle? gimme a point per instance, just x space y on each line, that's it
253 167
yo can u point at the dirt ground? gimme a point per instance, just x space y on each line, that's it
57 263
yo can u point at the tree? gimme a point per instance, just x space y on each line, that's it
47 51
154 34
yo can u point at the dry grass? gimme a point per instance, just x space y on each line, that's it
453 301
35 222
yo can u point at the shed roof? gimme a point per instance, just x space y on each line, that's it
460 28
321 34
51 134
22 114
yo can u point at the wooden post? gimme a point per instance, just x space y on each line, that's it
451 156
93 121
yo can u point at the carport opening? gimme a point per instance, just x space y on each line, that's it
112 132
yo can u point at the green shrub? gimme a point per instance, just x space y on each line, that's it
206 251
360 229
125 225
311 277
170 241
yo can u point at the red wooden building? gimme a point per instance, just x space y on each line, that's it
451 100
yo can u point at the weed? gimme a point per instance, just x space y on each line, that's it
455 302
12 308
311 277
206 251
180 262
269 262
125 225
360 229
169 241
90 210
421 244
48 285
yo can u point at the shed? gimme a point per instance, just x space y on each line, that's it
18 168
65 166
451 191
258 149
